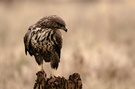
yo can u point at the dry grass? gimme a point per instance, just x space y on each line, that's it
100 43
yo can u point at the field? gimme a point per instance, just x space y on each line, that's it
99 44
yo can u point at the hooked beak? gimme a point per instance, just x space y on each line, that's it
64 28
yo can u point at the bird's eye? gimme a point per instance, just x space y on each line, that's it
61 25
55 24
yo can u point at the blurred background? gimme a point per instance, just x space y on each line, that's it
99 44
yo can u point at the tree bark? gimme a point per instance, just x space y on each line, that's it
42 82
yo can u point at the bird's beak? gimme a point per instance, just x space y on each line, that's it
64 28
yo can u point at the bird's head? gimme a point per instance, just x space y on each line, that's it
54 22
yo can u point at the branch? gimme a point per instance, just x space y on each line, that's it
42 82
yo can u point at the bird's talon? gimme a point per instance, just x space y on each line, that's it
52 76
42 70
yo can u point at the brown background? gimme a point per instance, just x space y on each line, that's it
99 44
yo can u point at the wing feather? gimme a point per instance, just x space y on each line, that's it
58 42
27 40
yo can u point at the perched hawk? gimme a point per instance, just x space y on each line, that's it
44 40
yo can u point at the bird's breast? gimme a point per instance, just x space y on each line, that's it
42 40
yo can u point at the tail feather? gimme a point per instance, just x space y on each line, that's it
55 61
38 59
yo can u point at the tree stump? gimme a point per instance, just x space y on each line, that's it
42 82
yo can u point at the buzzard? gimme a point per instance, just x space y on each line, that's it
43 40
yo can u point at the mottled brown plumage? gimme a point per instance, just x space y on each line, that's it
44 40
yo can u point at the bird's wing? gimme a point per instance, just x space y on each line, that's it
27 39
58 42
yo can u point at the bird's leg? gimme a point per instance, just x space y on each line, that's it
41 65
52 72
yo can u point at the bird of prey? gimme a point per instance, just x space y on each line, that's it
43 40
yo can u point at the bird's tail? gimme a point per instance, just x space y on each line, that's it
55 61
38 59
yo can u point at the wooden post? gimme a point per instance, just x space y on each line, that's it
42 82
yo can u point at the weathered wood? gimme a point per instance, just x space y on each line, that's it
42 82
